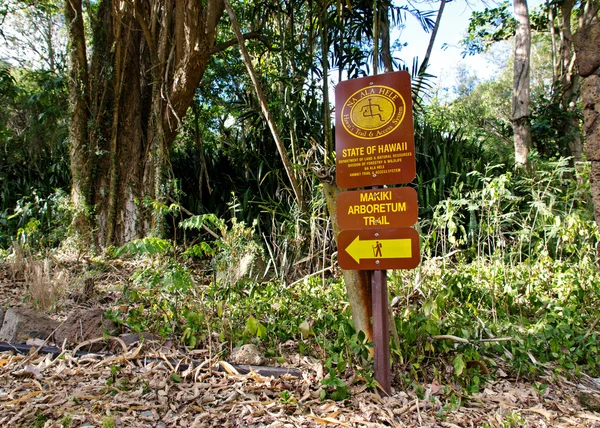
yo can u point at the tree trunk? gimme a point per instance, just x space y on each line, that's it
80 149
425 63
586 41
148 59
327 136
358 283
384 29
521 94
569 81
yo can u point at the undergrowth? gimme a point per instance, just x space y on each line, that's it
507 287
507 284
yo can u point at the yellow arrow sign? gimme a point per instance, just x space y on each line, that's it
380 249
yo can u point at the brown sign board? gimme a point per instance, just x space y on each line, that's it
374 131
379 249
380 208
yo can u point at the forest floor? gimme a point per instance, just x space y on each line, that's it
124 389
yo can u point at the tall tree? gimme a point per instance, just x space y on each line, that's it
80 150
587 41
496 24
147 59
521 91
567 82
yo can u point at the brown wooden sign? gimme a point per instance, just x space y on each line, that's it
377 249
381 208
374 131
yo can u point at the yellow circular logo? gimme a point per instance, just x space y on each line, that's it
373 112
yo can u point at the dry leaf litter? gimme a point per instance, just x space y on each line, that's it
144 386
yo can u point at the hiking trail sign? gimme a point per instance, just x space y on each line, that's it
374 131
379 208
379 249
375 147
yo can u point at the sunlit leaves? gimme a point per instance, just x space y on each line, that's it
255 328
488 27
151 246
459 365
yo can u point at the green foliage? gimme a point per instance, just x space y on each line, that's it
196 222
151 246
335 388
480 114
163 300
255 328
66 421
444 159
199 251
34 158
541 305
109 422
40 419
517 216
552 127
37 222
487 27
235 242
166 300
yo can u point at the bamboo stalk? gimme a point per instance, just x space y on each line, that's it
265 108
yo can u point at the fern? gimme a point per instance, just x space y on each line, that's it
197 221
152 246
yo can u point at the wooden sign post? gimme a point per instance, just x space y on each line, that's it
375 147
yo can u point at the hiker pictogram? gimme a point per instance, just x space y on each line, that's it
367 110
377 249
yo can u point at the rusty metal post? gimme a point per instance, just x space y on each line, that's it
381 330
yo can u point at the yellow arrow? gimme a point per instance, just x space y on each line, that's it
380 249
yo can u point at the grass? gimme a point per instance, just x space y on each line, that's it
541 309
545 308
45 285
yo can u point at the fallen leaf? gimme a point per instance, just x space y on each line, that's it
588 416
28 371
540 411
27 397
327 421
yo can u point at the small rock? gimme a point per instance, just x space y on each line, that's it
589 401
134 338
35 342
20 324
247 354
147 415
84 325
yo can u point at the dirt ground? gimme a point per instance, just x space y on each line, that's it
142 385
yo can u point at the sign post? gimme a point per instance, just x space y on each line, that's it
375 147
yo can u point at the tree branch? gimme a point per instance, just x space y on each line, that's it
147 34
222 46
265 109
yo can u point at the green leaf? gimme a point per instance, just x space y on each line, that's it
252 325
322 395
305 329
459 365
176 378
261 331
